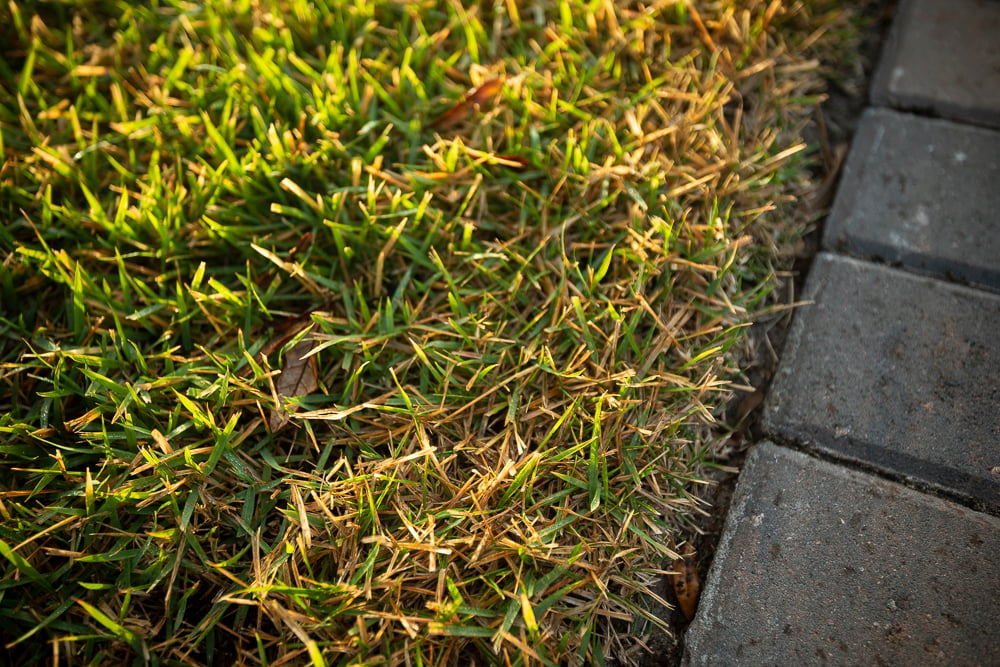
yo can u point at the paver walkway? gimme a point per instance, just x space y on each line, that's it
871 535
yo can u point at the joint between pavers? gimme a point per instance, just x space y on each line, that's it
810 448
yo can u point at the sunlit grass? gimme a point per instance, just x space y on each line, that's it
511 314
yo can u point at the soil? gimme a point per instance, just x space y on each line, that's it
832 128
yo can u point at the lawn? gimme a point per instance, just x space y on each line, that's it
379 332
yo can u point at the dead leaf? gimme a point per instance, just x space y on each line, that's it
297 378
473 100
748 403
284 330
687 585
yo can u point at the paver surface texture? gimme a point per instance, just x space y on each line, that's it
824 565
921 192
943 57
895 371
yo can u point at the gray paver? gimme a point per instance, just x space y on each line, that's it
922 192
897 371
819 564
943 56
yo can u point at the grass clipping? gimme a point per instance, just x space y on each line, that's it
381 334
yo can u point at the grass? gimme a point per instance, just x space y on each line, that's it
382 333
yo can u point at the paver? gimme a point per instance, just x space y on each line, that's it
922 192
895 371
820 564
943 57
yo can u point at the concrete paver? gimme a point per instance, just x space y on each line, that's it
943 57
895 371
922 192
820 564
